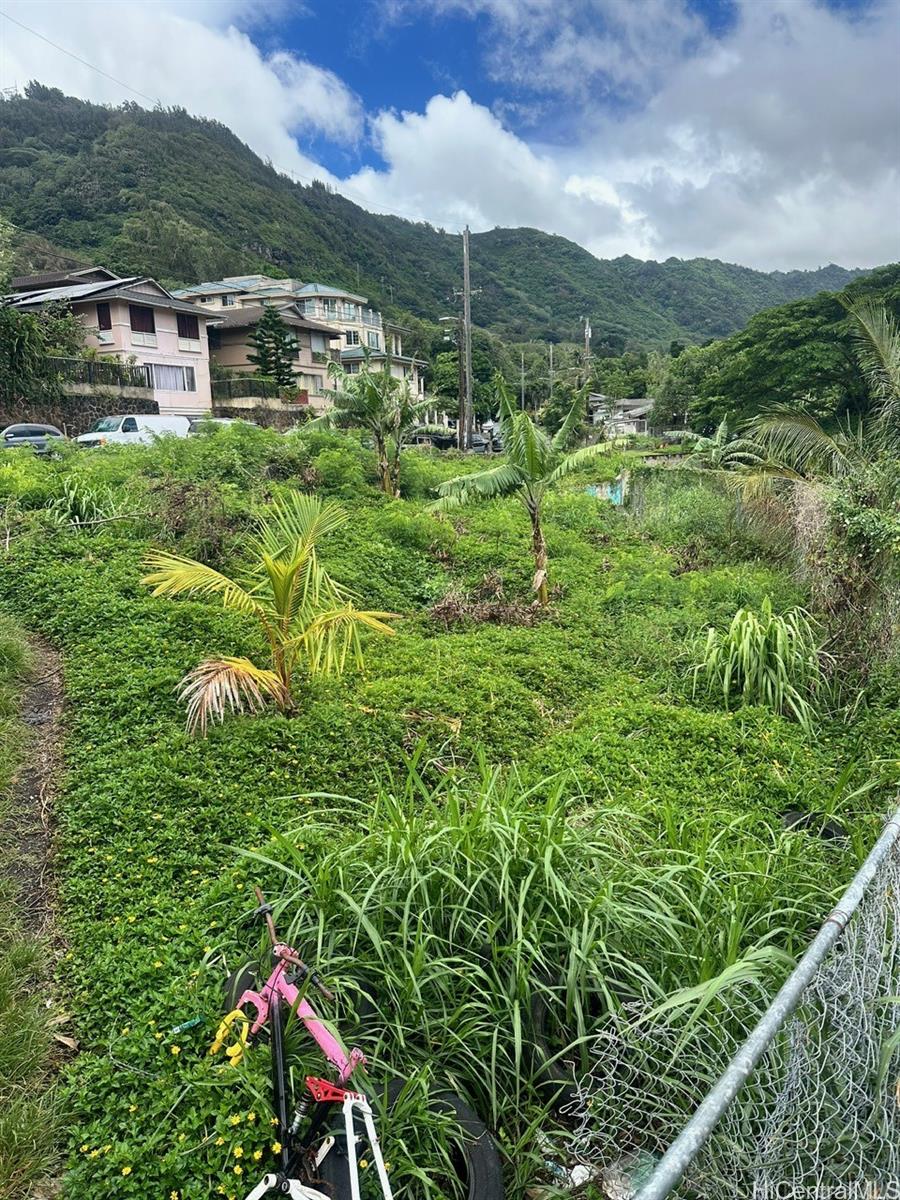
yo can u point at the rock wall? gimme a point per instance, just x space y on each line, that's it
73 413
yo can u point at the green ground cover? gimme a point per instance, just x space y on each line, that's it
657 815
27 1101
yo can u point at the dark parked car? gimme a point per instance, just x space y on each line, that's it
39 437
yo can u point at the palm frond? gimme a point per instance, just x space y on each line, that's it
801 443
333 636
297 521
878 352
482 485
572 420
577 459
174 575
227 684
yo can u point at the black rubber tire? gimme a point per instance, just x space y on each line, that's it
236 984
483 1167
551 1074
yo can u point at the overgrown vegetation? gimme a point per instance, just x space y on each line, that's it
28 1117
493 812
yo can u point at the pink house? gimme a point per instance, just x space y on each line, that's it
134 320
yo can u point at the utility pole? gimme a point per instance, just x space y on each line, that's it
551 370
467 339
522 384
461 418
587 347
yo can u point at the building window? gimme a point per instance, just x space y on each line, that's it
227 301
172 379
353 368
104 317
349 312
188 326
373 340
141 318
352 337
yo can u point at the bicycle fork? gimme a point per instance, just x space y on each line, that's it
354 1102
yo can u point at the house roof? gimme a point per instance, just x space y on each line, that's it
115 289
321 289
250 314
358 353
35 283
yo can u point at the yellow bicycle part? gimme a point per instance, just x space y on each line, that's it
234 1052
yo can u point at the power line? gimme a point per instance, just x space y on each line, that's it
83 61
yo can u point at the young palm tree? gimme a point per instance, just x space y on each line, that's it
382 405
534 463
308 619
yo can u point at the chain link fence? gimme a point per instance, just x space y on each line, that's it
819 1114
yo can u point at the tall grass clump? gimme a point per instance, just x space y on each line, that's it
766 658
480 930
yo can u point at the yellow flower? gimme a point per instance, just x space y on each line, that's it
93 1154
84 1148
158 1036
257 1155
364 1162
273 1120
182 1136
251 1117
126 1031
238 1152
238 1170
174 1049
126 1170
236 1119
157 964
107 1148
173 1195
132 1108
220 1141
276 1147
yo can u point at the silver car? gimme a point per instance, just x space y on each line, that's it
39 437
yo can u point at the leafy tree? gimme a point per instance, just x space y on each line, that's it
309 620
29 339
382 405
534 463
274 348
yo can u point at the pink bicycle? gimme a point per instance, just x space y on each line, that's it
314 1163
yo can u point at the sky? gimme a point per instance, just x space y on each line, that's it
764 132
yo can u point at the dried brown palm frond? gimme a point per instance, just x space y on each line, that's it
228 684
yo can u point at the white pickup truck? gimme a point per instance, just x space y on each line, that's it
133 429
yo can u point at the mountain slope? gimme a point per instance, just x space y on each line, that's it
181 198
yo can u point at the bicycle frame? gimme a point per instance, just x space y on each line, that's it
296 1152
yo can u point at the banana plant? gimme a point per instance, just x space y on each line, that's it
534 463
309 620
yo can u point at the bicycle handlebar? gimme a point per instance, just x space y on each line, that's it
265 910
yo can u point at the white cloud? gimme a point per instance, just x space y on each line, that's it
774 144
189 54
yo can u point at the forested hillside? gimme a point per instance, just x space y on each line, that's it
183 199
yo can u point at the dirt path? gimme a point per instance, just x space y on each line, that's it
28 839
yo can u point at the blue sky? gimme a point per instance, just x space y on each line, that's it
756 131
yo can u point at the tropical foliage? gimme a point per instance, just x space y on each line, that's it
308 620
534 462
564 813
381 404
768 658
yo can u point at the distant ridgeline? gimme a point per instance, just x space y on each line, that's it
182 199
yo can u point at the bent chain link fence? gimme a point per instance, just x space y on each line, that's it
818 1117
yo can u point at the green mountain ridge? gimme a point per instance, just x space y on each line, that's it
182 198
